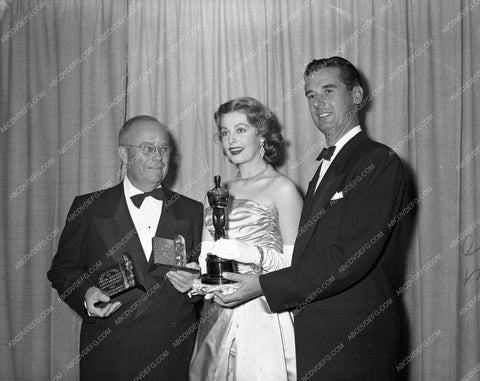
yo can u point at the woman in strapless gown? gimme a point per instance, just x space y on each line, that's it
249 342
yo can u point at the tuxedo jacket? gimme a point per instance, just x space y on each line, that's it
346 267
153 331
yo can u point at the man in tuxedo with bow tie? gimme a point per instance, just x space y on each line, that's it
142 334
347 260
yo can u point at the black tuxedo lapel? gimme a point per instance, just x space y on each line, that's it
172 220
310 194
170 223
317 205
118 231
316 209
120 236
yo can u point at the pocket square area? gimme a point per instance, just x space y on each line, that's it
337 196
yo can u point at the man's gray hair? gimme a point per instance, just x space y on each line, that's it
127 126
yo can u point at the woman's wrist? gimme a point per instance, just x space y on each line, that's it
258 268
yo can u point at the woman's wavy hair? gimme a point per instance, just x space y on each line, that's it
262 119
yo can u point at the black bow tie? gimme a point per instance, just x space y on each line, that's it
138 198
326 153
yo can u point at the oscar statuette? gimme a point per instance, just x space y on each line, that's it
218 199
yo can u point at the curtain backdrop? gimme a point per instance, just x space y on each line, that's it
179 60
61 64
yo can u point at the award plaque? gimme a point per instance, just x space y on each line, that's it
218 200
118 279
170 254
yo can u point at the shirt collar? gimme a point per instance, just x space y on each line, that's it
130 189
344 140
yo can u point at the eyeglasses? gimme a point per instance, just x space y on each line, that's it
149 149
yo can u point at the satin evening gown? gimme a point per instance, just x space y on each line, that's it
248 342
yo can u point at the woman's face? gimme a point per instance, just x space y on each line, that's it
240 140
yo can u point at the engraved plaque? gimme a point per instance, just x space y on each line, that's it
180 252
170 254
163 252
119 278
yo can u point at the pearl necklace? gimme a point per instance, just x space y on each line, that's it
253 178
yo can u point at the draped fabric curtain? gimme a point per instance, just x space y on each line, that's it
420 61
179 60
61 65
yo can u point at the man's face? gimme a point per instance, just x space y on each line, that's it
145 171
331 104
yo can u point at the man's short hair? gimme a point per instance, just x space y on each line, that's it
127 126
348 72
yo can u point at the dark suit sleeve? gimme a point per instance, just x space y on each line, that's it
361 229
68 274
197 226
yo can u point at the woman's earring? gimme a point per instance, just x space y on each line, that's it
262 148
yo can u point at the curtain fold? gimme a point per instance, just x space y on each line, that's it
61 64
404 51
71 72
184 48
466 97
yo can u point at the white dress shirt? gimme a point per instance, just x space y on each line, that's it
144 218
338 146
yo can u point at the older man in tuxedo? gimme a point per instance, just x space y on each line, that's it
348 255
144 333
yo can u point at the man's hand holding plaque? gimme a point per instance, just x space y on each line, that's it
183 280
170 260
171 255
94 297
111 283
